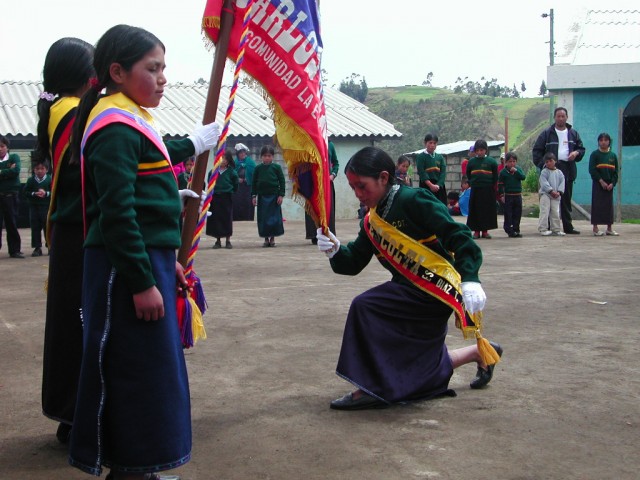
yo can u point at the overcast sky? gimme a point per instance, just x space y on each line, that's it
390 43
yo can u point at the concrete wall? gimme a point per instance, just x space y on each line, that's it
596 111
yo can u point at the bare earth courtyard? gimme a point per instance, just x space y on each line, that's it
564 402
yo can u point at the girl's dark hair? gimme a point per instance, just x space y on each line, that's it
68 67
228 155
430 136
5 141
480 144
371 162
403 159
122 44
511 155
267 149
605 135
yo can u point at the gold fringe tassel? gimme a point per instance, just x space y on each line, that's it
486 351
197 324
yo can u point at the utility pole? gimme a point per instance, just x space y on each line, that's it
551 57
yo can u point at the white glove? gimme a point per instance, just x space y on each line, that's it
328 245
474 296
205 137
186 193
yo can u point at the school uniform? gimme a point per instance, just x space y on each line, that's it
268 184
602 166
433 167
220 223
38 206
510 185
483 176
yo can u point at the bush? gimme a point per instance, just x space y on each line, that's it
530 183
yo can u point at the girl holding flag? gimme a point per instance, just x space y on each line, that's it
133 410
393 347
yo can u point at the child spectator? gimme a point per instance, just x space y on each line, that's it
432 168
454 207
465 193
267 193
9 188
603 168
38 193
402 169
482 172
220 223
510 192
551 189
185 176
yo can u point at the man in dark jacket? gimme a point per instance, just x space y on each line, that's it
565 143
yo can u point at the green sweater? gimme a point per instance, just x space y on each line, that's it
268 179
604 166
432 168
510 183
227 181
420 215
482 172
333 160
127 212
33 185
10 173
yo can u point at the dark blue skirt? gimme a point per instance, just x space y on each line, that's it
133 412
269 216
393 345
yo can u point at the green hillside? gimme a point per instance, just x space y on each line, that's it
415 110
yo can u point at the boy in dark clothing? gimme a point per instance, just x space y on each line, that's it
38 193
510 192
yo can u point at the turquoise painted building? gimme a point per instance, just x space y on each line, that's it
598 82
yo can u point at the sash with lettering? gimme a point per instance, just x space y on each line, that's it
118 108
61 120
283 56
430 272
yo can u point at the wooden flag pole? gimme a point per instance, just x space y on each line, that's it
211 108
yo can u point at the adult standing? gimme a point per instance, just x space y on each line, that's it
309 224
243 208
393 348
565 143
9 189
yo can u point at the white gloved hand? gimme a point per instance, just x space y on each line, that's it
186 193
474 296
205 137
328 245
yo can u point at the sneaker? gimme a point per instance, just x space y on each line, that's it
17 255
37 252
598 234
545 233
558 234
612 233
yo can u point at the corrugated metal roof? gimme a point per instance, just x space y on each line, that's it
461 146
606 37
183 106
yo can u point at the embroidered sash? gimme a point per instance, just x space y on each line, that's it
61 119
424 268
118 108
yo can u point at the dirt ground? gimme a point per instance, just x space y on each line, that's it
563 404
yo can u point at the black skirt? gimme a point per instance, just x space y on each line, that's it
483 213
220 223
601 205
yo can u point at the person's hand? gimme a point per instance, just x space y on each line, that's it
572 156
513 170
149 304
186 193
327 245
279 201
473 294
205 137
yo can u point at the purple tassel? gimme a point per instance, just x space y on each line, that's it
198 294
187 331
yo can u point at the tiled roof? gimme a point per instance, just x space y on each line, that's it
183 106
605 37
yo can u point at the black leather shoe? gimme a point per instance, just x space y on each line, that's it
364 402
17 255
63 434
484 376
573 231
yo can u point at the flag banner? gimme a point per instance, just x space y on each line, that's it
282 54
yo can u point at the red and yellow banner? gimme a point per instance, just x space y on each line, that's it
283 53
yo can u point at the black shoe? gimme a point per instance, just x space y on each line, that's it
17 255
573 231
314 241
513 235
37 252
228 245
363 403
518 235
484 376
64 433
217 245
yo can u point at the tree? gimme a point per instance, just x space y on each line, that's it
523 87
355 87
543 89
427 82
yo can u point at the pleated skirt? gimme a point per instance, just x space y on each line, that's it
483 212
269 216
220 223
